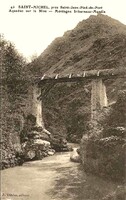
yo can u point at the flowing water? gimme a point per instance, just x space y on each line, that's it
53 178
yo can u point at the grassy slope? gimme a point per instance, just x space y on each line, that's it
98 42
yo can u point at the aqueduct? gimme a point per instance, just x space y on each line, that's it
98 91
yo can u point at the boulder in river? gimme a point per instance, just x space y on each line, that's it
36 149
75 157
60 144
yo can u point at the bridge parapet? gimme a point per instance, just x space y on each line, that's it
81 76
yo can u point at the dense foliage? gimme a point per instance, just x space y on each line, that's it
13 84
13 66
103 151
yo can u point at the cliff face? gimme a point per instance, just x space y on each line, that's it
96 43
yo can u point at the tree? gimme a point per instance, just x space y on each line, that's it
12 62
13 66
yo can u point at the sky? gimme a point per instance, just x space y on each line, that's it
32 32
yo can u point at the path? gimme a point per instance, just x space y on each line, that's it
53 178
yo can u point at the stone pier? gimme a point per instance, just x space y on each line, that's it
98 97
37 106
34 106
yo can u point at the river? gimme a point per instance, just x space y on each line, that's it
53 178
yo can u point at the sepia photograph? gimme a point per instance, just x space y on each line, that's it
63 100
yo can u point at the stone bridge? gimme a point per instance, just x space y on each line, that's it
98 91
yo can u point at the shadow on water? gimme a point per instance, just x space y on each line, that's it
73 183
